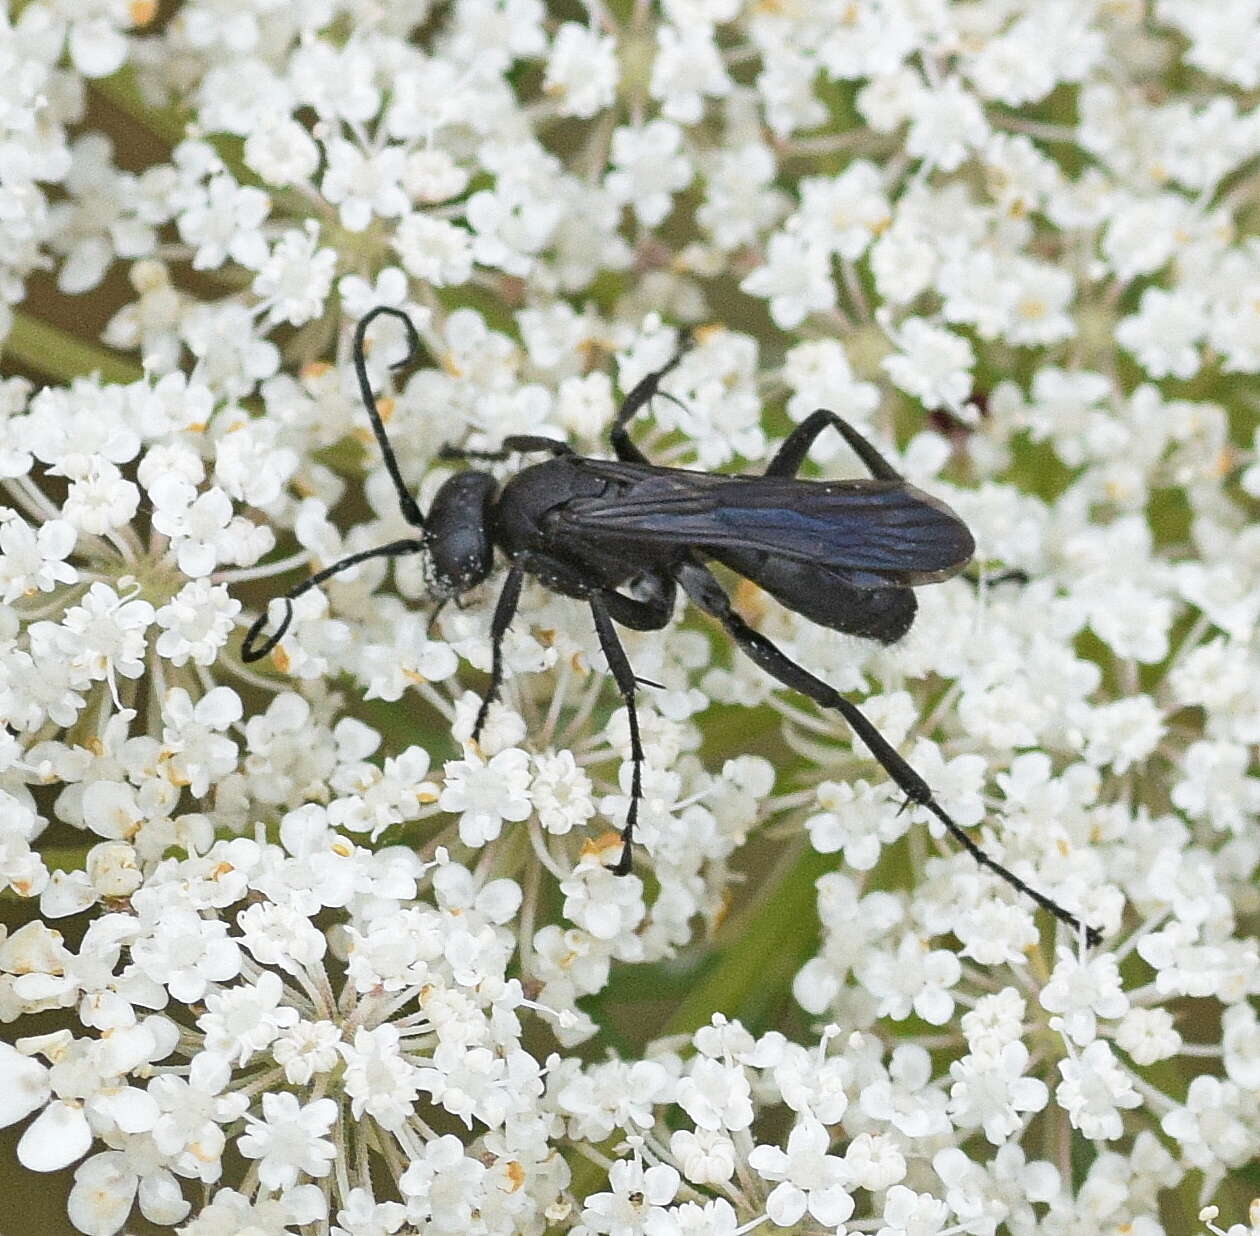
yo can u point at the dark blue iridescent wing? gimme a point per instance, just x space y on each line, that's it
889 528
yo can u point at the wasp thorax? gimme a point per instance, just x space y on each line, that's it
457 530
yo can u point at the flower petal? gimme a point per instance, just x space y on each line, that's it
58 1137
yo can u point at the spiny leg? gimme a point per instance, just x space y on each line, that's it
791 454
504 611
514 443
410 510
638 398
395 549
705 591
623 675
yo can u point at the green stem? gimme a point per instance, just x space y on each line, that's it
770 941
167 124
52 351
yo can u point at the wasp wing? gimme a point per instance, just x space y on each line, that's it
886 527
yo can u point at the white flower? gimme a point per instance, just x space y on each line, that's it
434 250
1149 1035
705 1156
60 1134
810 1178
995 1020
914 978
944 124
796 279
225 221
486 793
443 1186
687 67
635 1200
33 560
598 901
904 1097
581 70
306 1049
363 184
858 818
1215 786
185 952
907 1213
1123 733
814 1085
649 168
231 1212
232 356
196 622
432 175
192 740
716 1096
295 280
715 1218
874 1161
1141 233
194 1111
100 500
241 1021
107 634
561 792
107 1185
932 364
517 218
1223 39
844 213
1240 1041
1093 1091
1212 1126
411 659
378 1080
613 1095
820 376
202 525
289 1139
363 1215
990 1090
1083 990
381 797
282 152
1165 332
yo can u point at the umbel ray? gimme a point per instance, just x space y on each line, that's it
624 534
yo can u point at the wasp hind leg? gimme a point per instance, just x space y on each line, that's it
705 591
787 461
638 398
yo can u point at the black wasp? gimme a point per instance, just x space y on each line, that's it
624 534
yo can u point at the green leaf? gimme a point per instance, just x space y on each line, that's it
50 350
770 941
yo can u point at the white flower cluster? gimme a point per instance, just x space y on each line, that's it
318 962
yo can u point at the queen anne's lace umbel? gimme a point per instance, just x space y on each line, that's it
315 962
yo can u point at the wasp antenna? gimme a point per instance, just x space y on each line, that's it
248 651
395 549
410 509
